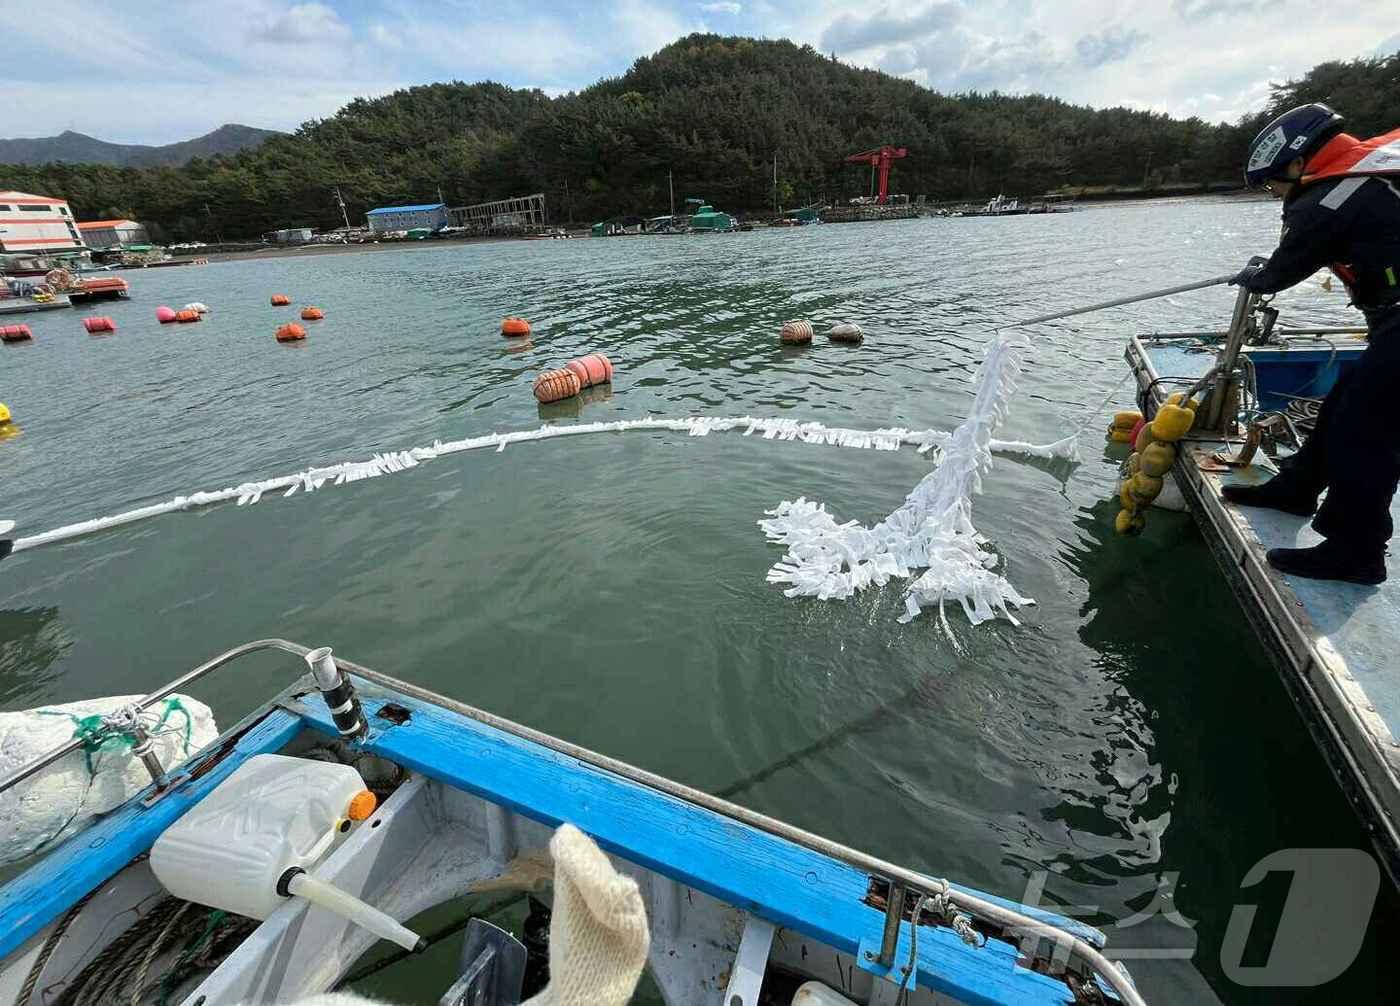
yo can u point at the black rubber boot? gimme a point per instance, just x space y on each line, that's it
1329 561
1275 494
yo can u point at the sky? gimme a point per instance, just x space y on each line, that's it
155 71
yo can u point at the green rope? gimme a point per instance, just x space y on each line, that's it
97 737
175 973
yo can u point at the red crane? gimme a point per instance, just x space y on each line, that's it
879 160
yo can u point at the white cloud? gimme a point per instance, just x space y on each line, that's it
302 23
1111 45
275 63
386 37
856 32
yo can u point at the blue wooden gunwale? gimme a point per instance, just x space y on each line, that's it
87 860
769 876
763 874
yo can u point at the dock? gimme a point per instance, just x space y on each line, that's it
23 305
1334 644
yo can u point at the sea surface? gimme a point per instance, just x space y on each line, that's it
1128 738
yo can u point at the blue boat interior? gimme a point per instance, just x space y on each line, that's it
774 879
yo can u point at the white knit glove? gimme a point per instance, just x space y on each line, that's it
598 934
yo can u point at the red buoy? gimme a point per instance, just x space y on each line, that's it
280 300
556 385
312 314
291 332
595 368
97 325
15 333
796 333
515 326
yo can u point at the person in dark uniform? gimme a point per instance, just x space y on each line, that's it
1341 208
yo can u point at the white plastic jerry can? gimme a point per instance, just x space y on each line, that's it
273 814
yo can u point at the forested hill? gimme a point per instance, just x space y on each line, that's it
715 111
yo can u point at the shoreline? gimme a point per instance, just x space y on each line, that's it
293 251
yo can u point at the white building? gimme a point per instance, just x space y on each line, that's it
37 225
102 234
433 216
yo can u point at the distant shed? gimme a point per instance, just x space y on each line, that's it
103 234
432 216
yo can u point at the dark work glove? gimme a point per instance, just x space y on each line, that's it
1242 277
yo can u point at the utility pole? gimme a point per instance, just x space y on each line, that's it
341 202
440 199
671 186
777 205
210 217
1147 171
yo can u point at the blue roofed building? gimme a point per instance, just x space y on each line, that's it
433 216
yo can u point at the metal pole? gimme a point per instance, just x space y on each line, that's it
1241 323
1120 302
894 915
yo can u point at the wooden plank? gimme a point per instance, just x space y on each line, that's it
88 859
784 883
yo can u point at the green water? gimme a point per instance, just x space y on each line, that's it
611 590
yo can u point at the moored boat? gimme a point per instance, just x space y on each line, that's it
736 903
1332 642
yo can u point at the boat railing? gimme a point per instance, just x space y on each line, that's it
903 884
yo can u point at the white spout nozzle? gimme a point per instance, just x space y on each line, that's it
323 668
300 884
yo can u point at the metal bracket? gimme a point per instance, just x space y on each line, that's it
1254 437
493 968
750 963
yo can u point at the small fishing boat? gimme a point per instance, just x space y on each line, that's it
86 287
1332 642
736 903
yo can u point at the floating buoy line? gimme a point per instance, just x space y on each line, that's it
393 462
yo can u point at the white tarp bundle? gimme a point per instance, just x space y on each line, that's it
932 531
59 801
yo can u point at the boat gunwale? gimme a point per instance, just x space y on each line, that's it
1064 934
1338 727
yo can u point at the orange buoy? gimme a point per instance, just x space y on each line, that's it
595 368
290 332
556 385
280 300
515 326
186 316
797 333
15 333
312 314
97 325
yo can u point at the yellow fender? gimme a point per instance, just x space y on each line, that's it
1155 460
1134 463
1129 522
1125 420
1144 488
1172 423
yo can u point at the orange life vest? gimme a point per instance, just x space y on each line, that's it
1344 156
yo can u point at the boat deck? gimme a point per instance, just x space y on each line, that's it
1334 643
